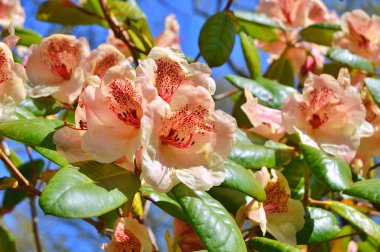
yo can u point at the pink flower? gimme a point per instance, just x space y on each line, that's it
119 44
266 121
328 115
360 34
187 239
280 215
169 37
53 67
11 11
186 141
129 236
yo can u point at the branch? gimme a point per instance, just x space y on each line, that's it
13 169
228 5
235 68
33 211
100 227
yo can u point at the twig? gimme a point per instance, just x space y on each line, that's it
224 95
228 5
197 57
236 68
13 169
306 188
33 211
100 227
318 202
374 167
344 236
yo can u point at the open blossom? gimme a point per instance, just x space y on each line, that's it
186 141
188 240
11 11
169 37
266 121
280 215
328 115
360 34
12 77
54 67
129 236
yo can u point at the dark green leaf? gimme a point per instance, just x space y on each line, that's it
295 175
217 39
230 198
320 33
243 180
7 242
210 220
251 55
87 190
333 172
269 93
269 245
320 225
41 106
366 189
357 219
373 86
34 132
367 247
281 70
257 25
27 37
348 58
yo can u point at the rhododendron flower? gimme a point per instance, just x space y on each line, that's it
186 141
169 37
187 238
360 34
53 67
103 58
280 215
328 115
11 11
12 77
129 236
266 121
167 69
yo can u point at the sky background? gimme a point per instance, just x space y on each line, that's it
76 235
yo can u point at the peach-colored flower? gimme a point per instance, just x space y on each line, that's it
11 11
280 215
187 238
103 58
360 34
129 236
328 115
186 141
266 121
119 44
12 77
53 67
169 37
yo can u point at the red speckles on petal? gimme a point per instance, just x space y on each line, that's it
59 68
169 76
125 102
277 198
102 65
125 239
180 128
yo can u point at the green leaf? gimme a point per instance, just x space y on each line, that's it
41 106
217 39
320 225
251 55
241 118
163 201
333 172
366 189
320 33
58 11
269 93
366 246
23 113
52 155
294 173
269 245
281 70
257 25
243 180
373 86
342 243
34 132
210 220
27 37
7 242
87 190
348 58
356 218
230 198
8 182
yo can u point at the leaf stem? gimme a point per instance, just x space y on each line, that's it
228 5
318 202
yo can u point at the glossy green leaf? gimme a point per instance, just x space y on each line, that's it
52 155
269 93
357 219
210 220
34 132
331 171
41 106
217 39
367 247
366 189
281 70
163 201
87 190
27 37
241 118
269 245
320 225
251 55
294 173
7 242
257 25
243 180
320 33
23 113
348 58
230 198
373 86
58 11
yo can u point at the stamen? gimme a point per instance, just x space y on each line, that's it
82 125
175 141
